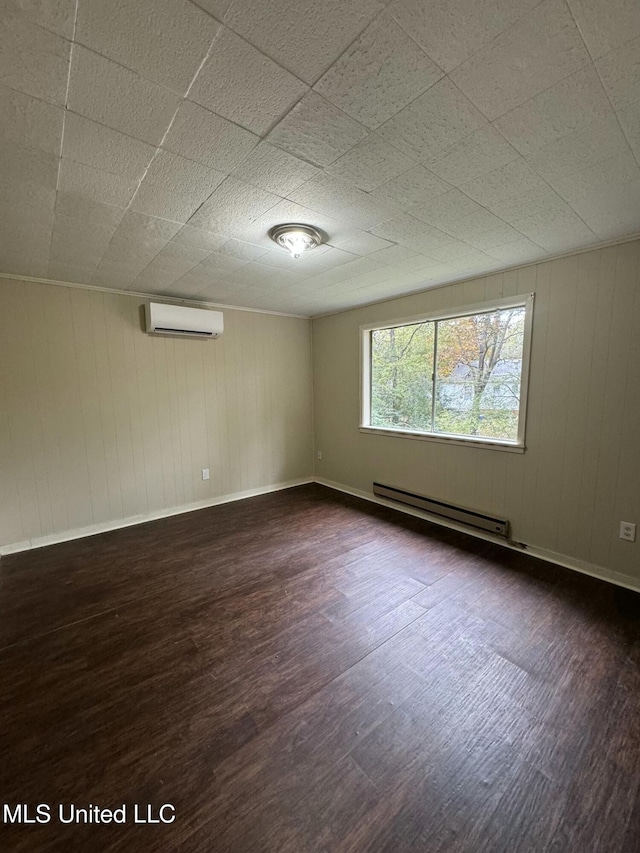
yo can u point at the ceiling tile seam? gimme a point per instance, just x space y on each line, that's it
159 149
333 107
635 156
174 92
254 46
604 88
350 45
283 115
207 12
428 89
414 162
505 221
64 122
484 46
289 70
553 190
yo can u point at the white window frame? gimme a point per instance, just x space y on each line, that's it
515 446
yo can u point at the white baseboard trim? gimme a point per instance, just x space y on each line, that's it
541 553
105 526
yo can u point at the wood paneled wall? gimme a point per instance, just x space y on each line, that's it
100 422
580 474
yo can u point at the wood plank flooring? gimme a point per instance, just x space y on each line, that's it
305 671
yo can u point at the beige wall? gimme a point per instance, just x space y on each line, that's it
580 474
100 422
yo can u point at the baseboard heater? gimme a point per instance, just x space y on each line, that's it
499 526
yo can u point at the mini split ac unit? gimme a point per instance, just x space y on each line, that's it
186 322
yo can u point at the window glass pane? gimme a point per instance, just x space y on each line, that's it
479 367
401 371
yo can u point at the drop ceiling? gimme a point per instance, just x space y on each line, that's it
150 145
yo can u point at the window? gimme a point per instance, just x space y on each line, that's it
454 376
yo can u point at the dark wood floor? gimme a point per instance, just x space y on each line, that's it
305 671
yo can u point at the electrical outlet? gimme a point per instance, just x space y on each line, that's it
320 455
628 531
205 473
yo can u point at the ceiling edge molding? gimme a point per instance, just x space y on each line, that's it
158 297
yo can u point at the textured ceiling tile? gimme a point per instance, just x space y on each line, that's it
396 255
380 73
103 148
74 273
484 231
576 101
451 30
408 231
233 204
190 286
517 251
583 148
112 95
307 39
26 175
446 209
174 188
168 266
217 8
533 203
556 229
613 213
32 60
363 243
192 283
220 264
23 260
461 254
274 170
95 184
597 180
248 274
620 72
209 139
197 239
142 233
335 198
533 54
370 163
317 131
411 188
433 122
58 16
477 154
135 244
27 121
163 40
82 231
515 179
242 250
244 85
606 24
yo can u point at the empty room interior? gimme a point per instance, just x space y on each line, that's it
319 411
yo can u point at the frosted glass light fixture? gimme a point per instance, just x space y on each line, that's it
296 238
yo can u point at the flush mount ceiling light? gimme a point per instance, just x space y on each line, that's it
296 238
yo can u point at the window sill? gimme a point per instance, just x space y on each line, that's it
485 443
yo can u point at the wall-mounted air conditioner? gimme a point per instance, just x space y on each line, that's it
186 322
